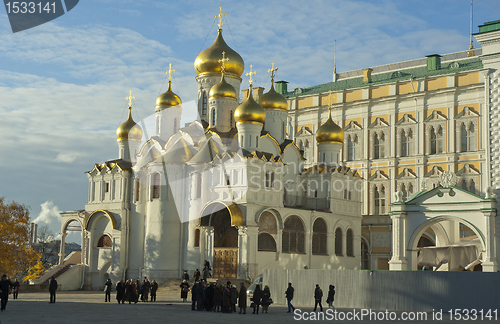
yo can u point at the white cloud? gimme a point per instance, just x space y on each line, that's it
67 157
50 213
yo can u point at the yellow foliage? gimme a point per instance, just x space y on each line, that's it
16 256
36 270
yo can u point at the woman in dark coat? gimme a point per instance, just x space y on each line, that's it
266 299
234 298
226 299
257 297
217 297
242 298
184 290
331 296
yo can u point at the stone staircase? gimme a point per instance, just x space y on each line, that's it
45 284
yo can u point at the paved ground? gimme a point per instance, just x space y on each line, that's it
89 307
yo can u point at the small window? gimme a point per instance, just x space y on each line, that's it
197 237
106 186
338 242
204 104
155 190
104 242
213 117
137 189
269 179
349 243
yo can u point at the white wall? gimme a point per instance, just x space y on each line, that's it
392 290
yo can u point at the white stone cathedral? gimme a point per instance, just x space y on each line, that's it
231 189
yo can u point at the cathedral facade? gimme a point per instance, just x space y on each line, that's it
231 188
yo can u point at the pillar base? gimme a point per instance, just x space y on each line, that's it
398 265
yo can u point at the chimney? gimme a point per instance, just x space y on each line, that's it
281 87
257 93
245 94
433 62
367 75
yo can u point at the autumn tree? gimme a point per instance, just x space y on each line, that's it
16 255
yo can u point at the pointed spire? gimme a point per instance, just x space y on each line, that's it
470 52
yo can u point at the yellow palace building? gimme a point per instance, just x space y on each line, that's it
404 125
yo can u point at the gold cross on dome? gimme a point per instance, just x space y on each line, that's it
170 71
223 61
272 69
220 15
130 99
250 74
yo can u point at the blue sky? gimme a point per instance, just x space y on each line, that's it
63 84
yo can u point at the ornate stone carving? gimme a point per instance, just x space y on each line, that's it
447 179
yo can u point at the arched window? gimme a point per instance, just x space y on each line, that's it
197 237
365 256
379 201
406 142
338 242
213 117
267 223
319 237
349 244
467 137
352 143
204 104
266 243
155 186
231 119
437 140
379 146
463 184
104 242
293 235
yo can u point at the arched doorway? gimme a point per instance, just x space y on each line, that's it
223 219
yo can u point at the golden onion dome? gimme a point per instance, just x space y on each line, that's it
168 98
208 60
250 111
273 100
330 132
223 90
129 130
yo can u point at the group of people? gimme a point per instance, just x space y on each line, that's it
216 297
261 297
318 296
8 287
132 291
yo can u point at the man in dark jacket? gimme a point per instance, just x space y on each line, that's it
318 294
52 289
194 291
154 288
242 298
234 298
120 292
107 296
289 296
5 286
15 289
146 286
197 275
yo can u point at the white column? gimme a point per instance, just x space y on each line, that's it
242 252
209 244
61 248
490 263
398 260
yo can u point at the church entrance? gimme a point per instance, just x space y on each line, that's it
225 263
225 243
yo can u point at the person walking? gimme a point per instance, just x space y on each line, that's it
206 274
242 298
318 295
5 286
15 289
185 276
331 296
107 290
120 292
52 290
154 288
196 275
289 296
257 297
266 299
184 290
